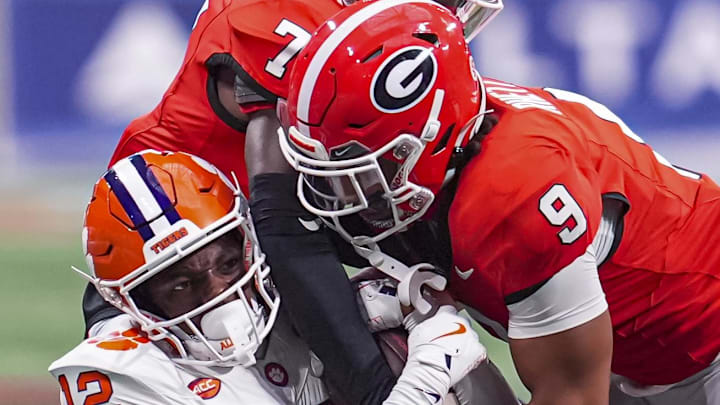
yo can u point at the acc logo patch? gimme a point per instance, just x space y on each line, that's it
403 79
126 340
276 374
205 388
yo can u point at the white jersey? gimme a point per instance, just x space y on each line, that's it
120 366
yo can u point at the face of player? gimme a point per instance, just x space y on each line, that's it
199 277
368 183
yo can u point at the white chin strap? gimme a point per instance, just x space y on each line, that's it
230 331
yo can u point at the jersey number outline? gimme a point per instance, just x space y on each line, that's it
83 380
278 65
606 114
559 216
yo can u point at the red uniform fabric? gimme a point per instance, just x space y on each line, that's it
663 282
241 35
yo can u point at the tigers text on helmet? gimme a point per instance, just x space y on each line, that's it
151 210
380 99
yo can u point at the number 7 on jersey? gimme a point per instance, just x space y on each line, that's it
277 65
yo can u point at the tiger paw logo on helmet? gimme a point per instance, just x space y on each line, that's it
127 340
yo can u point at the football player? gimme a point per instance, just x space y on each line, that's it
221 107
569 235
169 242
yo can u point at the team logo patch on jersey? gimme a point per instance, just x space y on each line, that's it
127 340
403 79
276 374
205 388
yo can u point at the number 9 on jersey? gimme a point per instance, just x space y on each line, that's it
559 207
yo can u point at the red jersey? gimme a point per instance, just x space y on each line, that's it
531 204
258 40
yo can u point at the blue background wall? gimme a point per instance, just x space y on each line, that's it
81 69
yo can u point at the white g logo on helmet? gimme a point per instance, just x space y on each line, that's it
403 79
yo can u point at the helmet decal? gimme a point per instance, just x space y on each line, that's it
403 79
318 61
151 210
141 196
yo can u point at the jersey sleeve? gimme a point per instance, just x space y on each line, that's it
118 365
83 385
528 228
266 36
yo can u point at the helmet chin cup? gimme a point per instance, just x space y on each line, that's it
231 330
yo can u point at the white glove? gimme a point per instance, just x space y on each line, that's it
379 298
441 351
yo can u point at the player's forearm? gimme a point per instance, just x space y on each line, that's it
571 367
317 293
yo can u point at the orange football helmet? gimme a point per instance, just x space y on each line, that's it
154 208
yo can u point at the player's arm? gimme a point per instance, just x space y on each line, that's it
553 236
559 327
567 368
313 284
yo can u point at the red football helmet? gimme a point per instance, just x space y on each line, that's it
380 99
473 14
149 211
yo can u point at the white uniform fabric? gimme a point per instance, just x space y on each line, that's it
702 388
570 298
284 374
574 295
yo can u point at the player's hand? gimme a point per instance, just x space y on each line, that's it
380 301
445 343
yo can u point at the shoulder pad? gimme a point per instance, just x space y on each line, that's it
117 347
267 35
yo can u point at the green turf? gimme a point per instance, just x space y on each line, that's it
40 300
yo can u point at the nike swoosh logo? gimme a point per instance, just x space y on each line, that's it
434 396
459 331
309 225
340 152
464 274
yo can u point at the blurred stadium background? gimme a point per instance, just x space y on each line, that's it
73 73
